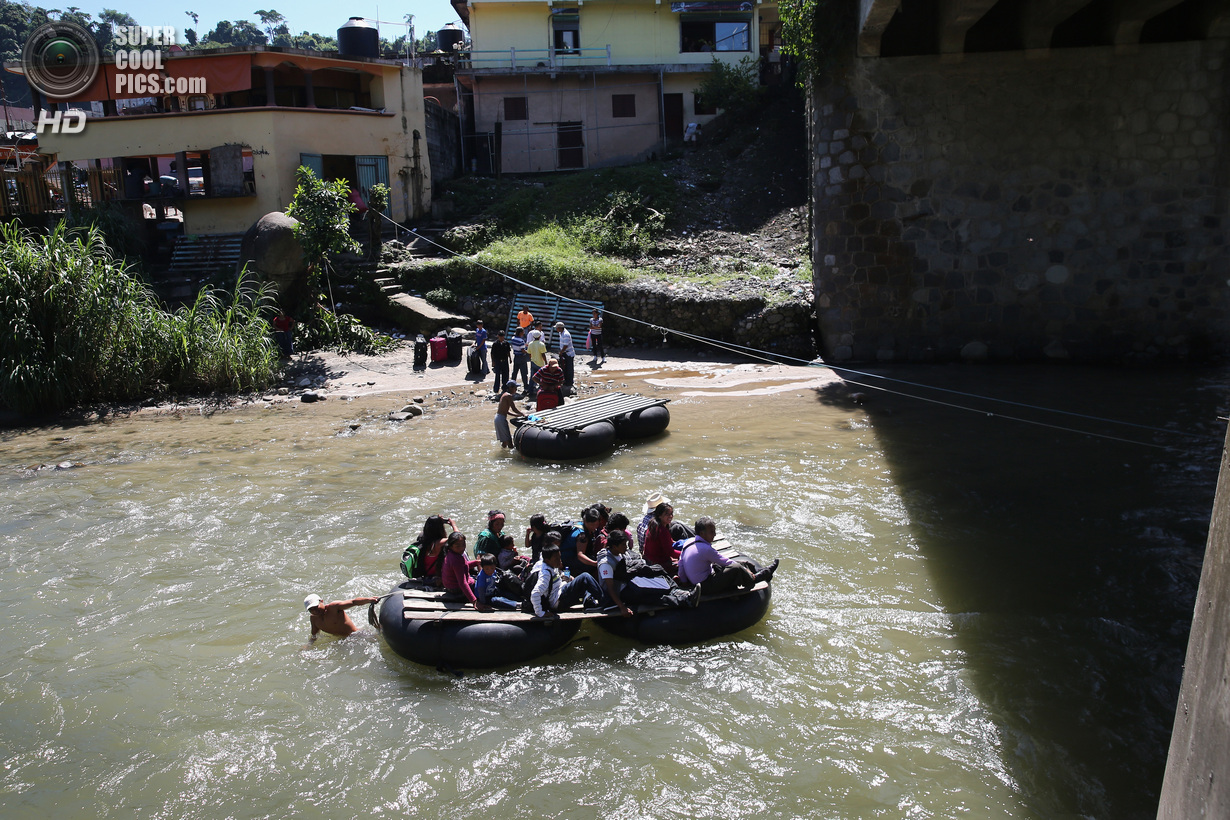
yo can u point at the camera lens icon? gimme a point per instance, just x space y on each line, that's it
60 59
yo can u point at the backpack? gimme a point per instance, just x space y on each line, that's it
410 559
568 546
510 585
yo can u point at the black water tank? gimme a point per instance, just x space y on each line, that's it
449 36
358 38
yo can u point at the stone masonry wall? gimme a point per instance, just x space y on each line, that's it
781 329
1024 205
443 142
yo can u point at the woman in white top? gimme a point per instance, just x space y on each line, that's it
595 338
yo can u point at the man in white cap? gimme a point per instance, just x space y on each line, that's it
332 617
567 353
655 498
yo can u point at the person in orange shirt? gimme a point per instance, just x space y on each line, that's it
524 318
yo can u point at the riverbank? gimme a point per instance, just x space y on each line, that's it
321 381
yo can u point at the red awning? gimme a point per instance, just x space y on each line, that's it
224 74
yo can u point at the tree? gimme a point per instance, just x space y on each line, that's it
323 210
271 20
377 201
238 33
108 21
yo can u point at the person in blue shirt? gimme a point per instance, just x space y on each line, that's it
480 344
521 358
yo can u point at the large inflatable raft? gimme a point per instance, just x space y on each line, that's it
716 616
589 428
420 627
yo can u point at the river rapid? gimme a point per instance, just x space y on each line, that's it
974 617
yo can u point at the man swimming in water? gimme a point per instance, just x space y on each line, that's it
332 617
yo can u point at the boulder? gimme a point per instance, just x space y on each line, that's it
272 251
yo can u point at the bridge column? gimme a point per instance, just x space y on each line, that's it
873 18
1130 17
956 18
1039 18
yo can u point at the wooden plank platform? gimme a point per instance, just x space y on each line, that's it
417 608
591 411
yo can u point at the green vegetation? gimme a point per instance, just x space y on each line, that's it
117 229
635 201
550 257
323 212
732 88
554 231
85 329
818 33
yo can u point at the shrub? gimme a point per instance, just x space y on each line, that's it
85 329
733 88
441 297
322 329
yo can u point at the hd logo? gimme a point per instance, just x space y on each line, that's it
61 122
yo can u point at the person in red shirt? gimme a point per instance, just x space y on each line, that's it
659 542
550 383
458 585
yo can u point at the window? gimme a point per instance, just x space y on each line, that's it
701 107
623 105
516 108
707 32
566 31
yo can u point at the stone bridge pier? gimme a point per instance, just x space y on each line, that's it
1025 180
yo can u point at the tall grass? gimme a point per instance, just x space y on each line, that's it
82 328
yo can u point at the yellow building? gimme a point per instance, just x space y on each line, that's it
588 83
234 147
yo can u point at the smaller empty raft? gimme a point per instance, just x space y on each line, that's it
589 428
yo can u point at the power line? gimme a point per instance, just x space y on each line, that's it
772 358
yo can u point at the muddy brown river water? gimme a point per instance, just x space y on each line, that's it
975 617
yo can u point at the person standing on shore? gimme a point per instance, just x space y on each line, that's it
480 344
521 358
567 353
500 352
537 349
595 338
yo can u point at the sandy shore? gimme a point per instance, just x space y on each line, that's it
337 376
388 382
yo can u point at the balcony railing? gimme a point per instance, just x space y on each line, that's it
536 58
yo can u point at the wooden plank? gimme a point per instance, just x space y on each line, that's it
583 413
466 614
506 617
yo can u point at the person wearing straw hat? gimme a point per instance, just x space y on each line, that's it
332 617
651 503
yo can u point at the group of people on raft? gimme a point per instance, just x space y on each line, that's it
589 562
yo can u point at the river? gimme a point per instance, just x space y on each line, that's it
974 616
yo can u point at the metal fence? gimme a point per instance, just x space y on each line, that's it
32 190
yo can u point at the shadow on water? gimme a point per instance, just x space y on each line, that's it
1068 563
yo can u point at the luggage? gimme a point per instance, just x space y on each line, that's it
420 352
474 363
454 346
439 349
